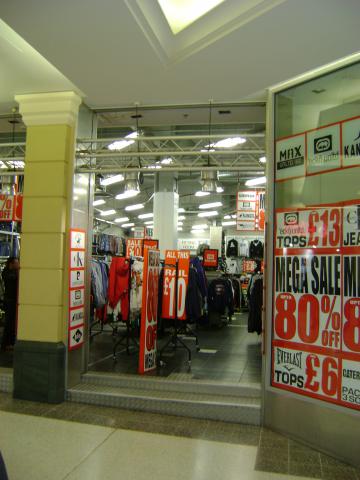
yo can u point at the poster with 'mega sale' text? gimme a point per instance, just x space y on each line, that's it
316 303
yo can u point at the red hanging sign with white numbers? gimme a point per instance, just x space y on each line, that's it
181 258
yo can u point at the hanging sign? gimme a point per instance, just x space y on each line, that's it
316 309
210 258
148 327
250 215
76 288
181 259
134 247
150 243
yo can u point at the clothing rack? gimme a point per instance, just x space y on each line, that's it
128 336
179 329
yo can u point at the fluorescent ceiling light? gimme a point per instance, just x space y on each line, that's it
200 226
181 210
179 229
127 194
200 193
206 150
200 230
233 216
227 142
210 205
132 229
208 214
149 222
137 206
121 219
180 224
106 213
111 180
153 167
219 189
83 180
146 215
167 161
96 203
227 224
227 217
76 197
262 159
182 13
181 217
126 225
80 191
120 144
255 181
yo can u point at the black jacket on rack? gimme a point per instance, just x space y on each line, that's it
220 296
194 299
256 249
232 249
255 299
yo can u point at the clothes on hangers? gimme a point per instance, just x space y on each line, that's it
118 291
99 282
243 247
197 264
136 283
220 296
194 300
255 300
256 249
233 265
232 249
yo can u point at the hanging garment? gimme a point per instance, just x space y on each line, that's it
136 283
237 292
256 249
243 248
220 296
232 249
233 265
194 299
119 285
99 283
255 300
197 264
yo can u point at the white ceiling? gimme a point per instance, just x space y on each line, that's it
116 55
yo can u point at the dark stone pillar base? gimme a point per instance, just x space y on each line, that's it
39 371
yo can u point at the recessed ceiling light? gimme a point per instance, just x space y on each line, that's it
200 193
227 217
219 189
127 194
126 225
210 205
228 224
255 181
96 203
179 229
146 215
200 230
137 206
180 224
208 214
106 213
112 180
181 217
200 226
262 159
149 222
181 210
121 220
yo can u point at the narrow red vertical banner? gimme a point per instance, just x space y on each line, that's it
148 326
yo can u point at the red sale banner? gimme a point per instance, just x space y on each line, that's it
148 327
11 208
134 247
181 258
316 308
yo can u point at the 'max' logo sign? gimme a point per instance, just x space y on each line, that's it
291 157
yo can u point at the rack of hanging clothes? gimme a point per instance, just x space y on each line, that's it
255 301
220 299
100 267
126 299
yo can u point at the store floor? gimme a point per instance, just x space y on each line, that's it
108 444
228 354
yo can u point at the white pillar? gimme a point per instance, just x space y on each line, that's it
166 203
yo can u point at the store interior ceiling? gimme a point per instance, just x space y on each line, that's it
124 51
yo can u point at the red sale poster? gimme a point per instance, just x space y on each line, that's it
182 259
148 327
316 306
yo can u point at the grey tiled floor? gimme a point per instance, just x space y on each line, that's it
236 357
275 453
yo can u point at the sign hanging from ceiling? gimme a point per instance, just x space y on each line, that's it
250 210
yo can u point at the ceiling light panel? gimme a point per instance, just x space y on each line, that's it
106 213
112 180
121 219
208 214
201 194
137 206
96 203
255 181
146 215
210 205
